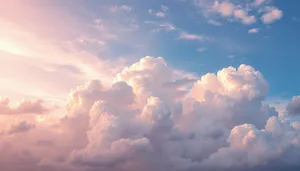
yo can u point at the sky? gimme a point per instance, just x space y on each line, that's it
125 85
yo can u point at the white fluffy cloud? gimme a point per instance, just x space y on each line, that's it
150 119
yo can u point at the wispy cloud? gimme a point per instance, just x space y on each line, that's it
121 8
201 49
230 56
86 40
133 26
162 26
258 2
254 30
164 8
159 14
296 19
214 22
188 36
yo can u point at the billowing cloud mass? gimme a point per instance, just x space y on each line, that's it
151 119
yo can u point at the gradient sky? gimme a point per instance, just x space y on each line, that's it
103 35
76 73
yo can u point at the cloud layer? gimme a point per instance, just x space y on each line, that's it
150 119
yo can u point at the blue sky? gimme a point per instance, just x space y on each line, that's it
272 50
197 36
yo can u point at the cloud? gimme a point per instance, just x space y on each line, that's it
150 120
244 12
188 36
244 17
271 15
21 127
231 56
259 2
293 107
213 22
121 7
159 14
226 9
253 30
86 40
22 107
164 8
162 26
201 49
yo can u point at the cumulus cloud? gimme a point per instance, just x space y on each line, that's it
149 119
228 9
252 147
271 15
244 17
243 12
293 107
22 107
225 9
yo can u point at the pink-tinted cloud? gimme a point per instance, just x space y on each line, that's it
22 107
271 15
243 12
149 120
20 127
